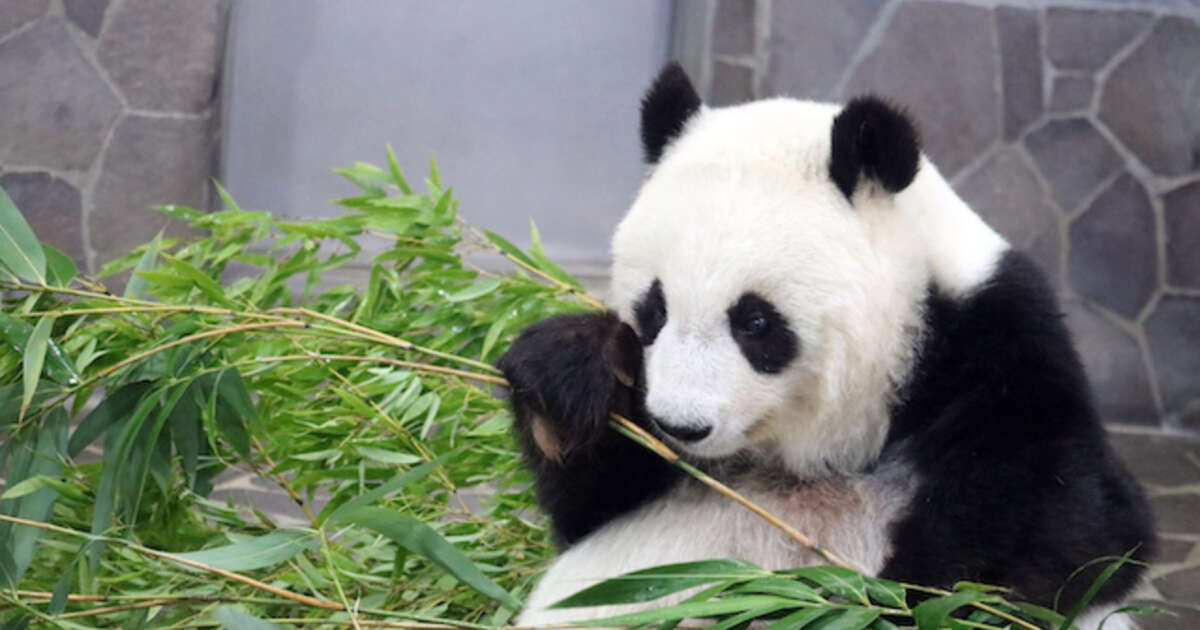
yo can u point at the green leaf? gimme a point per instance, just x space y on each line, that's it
199 279
261 552
887 593
397 174
848 619
932 614
650 584
235 619
543 261
693 609
388 457
58 365
35 356
137 285
44 460
737 621
479 289
509 248
1137 609
782 587
799 619
338 514
20 250
60 269
236 410
115 407
1095 587
421 539
837 580
28 486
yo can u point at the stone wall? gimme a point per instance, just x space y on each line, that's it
108 107
1073 127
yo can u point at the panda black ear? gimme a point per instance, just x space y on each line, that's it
874 139
668 104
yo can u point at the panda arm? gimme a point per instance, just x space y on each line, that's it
1017 484
567 374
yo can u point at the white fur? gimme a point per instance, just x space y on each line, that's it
849 515
742 202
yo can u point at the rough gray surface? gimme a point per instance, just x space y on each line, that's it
731 84
734 33
1071 93
56 109
16 13
1005 192
965 58
807 55
1173 332
1114 365
52 207
1181 215
1113 259
1073 157
164 55
88 15
1019 36
151 161
1084 39
1152 100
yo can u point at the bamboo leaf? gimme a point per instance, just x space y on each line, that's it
234 619
543 261
35 356
45 460
338 514
28 486
421 539
115 407
695 609
933 613
849 619
58 365
20 250
137 285
60 269
508 248
653 583
268 550
799 619
1095 587
397 174
479 289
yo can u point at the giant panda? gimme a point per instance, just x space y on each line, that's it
804 308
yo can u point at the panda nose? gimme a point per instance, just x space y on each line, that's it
686 433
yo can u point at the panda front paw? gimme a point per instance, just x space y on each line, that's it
566 375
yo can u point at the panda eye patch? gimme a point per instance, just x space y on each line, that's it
651 312
762 334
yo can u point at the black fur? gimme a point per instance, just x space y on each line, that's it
876 140
568 370
762 334
1017 484
667 106
651 312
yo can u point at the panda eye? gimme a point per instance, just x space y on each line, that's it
651 313
755 324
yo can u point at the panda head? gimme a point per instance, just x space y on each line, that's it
774 264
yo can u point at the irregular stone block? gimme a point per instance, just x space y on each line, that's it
17 13
1071 94
165 55
151 161
1084 39
1113 258
1173 332
88 15
53 209
1160 460
733 28
731 84
808 56
949 86
1176 513
1180 586
1073 157
1021 67
1006 193
55 109
1114 366
1181 214
1152 99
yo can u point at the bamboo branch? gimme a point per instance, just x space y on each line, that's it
220 332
